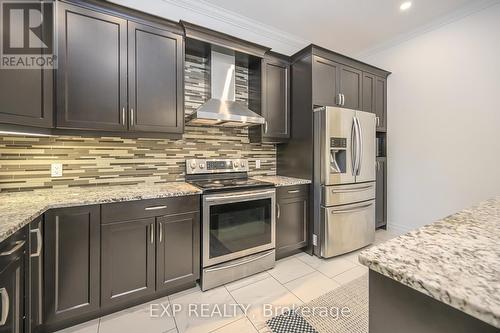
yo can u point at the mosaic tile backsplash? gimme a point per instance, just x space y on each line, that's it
89 161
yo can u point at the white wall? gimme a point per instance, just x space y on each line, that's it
443 119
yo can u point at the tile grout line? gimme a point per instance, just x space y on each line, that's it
245 314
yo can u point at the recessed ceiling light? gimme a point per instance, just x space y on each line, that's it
405 5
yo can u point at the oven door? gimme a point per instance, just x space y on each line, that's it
237 224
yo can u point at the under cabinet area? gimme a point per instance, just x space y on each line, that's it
292 209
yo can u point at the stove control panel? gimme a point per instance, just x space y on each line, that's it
198 166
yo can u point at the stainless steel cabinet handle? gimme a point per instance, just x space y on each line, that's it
293 191
378 121
123 115
265 127
155 207
5 306
160 231
131 116
343 99
152 233
39 241
339 98
279 211
16 247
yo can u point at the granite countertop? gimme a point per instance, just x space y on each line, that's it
455 260
20 208
279 181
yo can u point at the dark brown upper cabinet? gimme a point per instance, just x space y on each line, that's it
350 87
92 70
380 106
375 98
335 84
325 86
155 79
26 97
177 250
368 92
71 263
128 260
272 100
275 99
118 75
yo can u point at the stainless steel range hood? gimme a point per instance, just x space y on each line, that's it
222 109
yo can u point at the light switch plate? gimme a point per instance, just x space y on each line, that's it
257 164
56 170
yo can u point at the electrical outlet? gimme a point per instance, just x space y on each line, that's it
56 170
257 164
315 240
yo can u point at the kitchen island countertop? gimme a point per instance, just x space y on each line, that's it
455 260
20 208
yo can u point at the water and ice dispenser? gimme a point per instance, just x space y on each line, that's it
338 151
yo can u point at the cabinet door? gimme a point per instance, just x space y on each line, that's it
26 96
380 202
368 92
381 102
325 82
155 67
35 285
92 72
291 225
178 250
275 103
350 87
71 262
128 260
12 286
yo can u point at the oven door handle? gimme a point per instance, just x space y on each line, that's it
248 195
238 263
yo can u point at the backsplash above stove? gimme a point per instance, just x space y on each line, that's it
88 161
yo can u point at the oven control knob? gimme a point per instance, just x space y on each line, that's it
193 165
202 166
236 164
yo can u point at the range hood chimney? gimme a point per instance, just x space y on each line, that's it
222 109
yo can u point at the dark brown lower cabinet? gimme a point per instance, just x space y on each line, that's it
128 260
292 209
177 252
71 263
381 193
12 283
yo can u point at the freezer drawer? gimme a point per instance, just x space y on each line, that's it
347 228
345 194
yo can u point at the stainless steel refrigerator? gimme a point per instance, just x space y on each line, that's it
344 180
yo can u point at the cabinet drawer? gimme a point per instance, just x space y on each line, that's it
129 210
292 191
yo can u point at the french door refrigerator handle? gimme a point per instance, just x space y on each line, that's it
360 152
353 150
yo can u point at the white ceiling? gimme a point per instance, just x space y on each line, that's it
348 26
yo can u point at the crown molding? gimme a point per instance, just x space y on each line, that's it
217 18
434 25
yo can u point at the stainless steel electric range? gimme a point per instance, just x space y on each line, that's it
238 220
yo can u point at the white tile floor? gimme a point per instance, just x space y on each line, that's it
293 281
